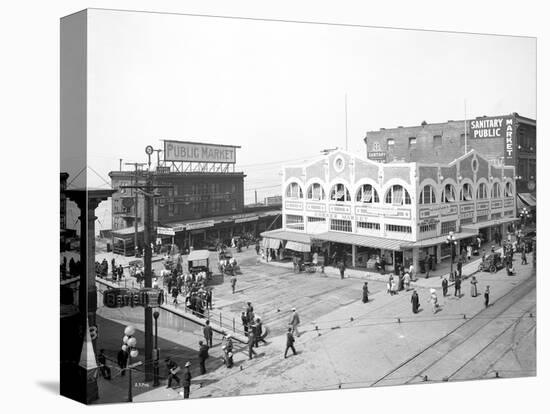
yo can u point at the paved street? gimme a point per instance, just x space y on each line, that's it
346 343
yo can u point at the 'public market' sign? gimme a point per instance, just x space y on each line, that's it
197 152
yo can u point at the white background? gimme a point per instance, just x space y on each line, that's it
29 132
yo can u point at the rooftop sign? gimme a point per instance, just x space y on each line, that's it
182 151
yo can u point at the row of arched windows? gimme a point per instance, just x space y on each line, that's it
398 195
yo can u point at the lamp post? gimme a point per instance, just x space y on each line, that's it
157 352
450 242
524 214
129 343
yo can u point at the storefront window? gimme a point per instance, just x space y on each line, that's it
367 194
508 190
495 191
467 193
448 195
294 222
398 229
397 196
315 192
427 196
340 225
482 191
294 191
448 226
339 192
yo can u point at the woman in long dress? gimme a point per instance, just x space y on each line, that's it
473 287
433 300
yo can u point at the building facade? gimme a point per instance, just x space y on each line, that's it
503 140
361 209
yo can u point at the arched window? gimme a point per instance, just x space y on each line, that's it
367 194
427 195
508 190
315 192
467 192
482 191
495 191
339 192
294 191
448 195
397 195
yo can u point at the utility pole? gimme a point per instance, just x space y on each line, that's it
136 215
147 190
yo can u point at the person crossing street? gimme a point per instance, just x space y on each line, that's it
290 342
294 322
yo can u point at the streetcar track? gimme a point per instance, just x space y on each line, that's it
529 282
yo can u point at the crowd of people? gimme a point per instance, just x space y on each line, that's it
69 269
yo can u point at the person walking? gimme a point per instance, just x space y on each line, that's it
388 285
342 268
244 321
122 361
394 286
233 283
458 283
249 312
486 296
208 333
203 355
523 257
415 301
469 252
294 322
175 293
103 368
290 342
251 342
366 292
407 281
187 380
473 287
459 267
433 300
445 286
173 370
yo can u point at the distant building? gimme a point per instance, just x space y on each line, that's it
503 140
359 210
273 200
205 201
63 200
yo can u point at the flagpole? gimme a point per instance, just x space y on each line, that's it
346 112
465 134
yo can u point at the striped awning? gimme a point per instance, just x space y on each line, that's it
474 227
527 199
272 243
362 240
298 247
287 235
434 241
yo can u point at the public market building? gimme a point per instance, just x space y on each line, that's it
360 209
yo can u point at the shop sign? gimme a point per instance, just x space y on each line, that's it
428 221
466 208
339 209
509 203
496 204
177 229
122 297
435 210
163 170
166 231
293 205
384 211
315 207
466 215
376 155
482 213
489 127
184 151
483 206
200 225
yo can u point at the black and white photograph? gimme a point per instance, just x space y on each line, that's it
254 205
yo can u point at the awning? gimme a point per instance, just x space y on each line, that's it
198 255
298 247
474 227
529 199
126 231
272 243
434 241
363 240
287 235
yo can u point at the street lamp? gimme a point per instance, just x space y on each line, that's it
450 242
524 214
129 343
157 352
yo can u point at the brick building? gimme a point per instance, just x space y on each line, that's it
503 140
204 202
358 210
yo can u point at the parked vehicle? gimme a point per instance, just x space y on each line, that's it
492 263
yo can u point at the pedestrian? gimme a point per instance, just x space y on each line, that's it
203 355
411 272
433 300
251 342
407 281
175 293
366 292
486 295
113 267
429 265
233 283
342 268
459 267
186 380
209 299
458 282
208 334
445 286
473 287
294 322
290 342
173 370
415 301
244 320
388 285
394 286
523 257
257 247
249 312
401 282
102 362
122 361
259 328
469 252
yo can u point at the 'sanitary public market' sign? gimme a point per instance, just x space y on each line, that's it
121 297
179 151
496 127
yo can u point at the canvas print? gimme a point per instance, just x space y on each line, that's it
252 207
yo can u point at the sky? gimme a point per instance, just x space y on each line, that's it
279 89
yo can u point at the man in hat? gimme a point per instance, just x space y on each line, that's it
294 322
342 268
445 286
365 292
172 371
486 296
203 355
259 331
289 342
244 320
458 282
208 334
251 342
186 380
